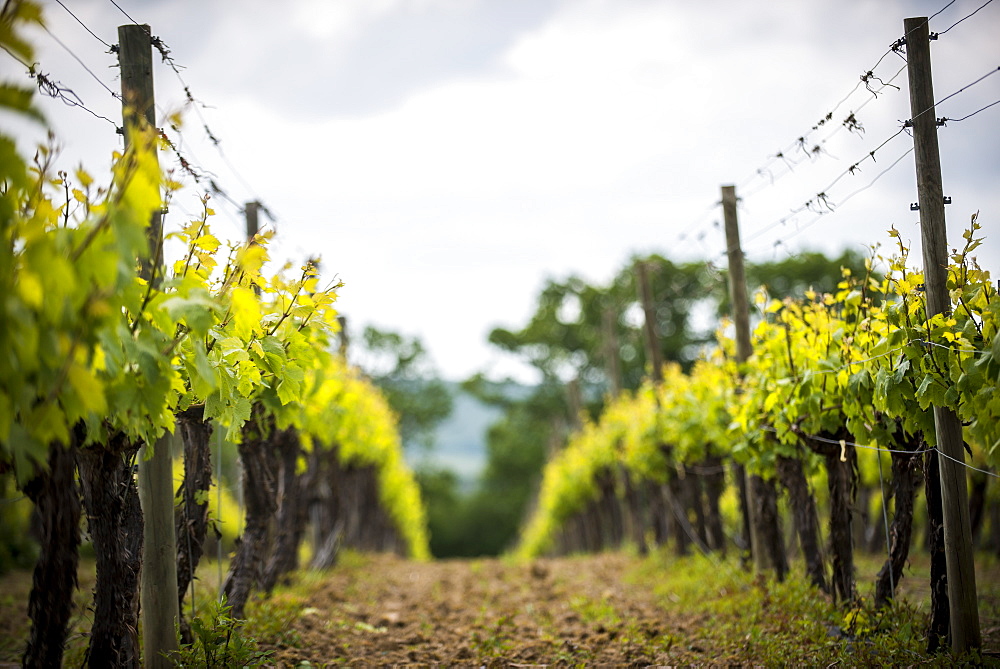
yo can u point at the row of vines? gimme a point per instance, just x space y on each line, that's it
837 397
106 350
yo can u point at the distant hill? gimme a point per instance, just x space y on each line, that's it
460 439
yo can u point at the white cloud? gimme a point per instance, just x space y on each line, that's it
319 19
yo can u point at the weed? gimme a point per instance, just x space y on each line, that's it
756 620
219 642
496 641
369 628
272 619
352 559
599 612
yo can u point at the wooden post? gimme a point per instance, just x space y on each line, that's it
737 275
741 321
653 353
345 340
574 401
251 210
135 58
948 429
158 595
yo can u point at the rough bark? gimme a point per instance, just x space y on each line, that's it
591 526
939 628
568 539
977 504
580 525
367 510
674 495
133 523
632 512
585 530
804 518
259 465
385 538
692 490
714 476
573 537
659 514
676 524
326 509
644 500
842 477
744 544
293 511
327 552
904 490
588 531
841 466
644 514
613 511
768 521
192 515
114 518
367 503
350 493
50 605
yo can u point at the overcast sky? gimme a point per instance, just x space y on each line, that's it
445 157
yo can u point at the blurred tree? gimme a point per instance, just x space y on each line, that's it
486 521
446 515
578 327
516 450
400 366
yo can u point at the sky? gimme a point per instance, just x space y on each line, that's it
446 157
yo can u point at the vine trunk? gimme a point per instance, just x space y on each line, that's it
114 518
192 518
57 503
805 518
904 491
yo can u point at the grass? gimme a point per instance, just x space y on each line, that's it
755 620
14 625
713 612
268 620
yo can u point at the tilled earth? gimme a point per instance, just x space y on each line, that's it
484 613
599 610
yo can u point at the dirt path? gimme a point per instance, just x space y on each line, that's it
374 610
488 612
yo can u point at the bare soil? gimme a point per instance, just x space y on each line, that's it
596 610
485 613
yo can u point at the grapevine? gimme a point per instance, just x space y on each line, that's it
100 363
831 373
